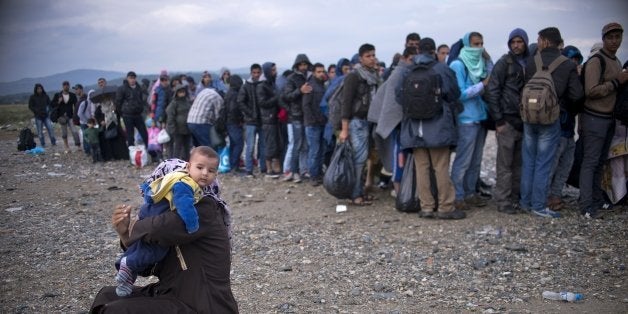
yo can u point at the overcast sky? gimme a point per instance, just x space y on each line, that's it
40 38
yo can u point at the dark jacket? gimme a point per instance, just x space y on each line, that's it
291 93
356 97
248 104
39 103
504 91
203 288
439 131
566 82
129 100
177 113
312 113
234 115
267 96
63 107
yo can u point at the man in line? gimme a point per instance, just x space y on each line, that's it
359 88
504 95
597 123
268 98
540 141
130 105
249 106
65 103
314 121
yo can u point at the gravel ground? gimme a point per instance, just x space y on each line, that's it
294 254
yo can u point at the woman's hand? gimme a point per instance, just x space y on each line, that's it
120 220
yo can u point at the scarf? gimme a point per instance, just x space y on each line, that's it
370 76
213 190
473 60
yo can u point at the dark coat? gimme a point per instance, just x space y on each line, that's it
65 108
291 94
203 288
234 115
39 103
504 91
129 100
267 97
248 104
439 131
177 116
312 113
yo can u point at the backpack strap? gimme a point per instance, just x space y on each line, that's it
602 65
557 62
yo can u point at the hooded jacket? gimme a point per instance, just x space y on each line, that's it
439 131
234 115
267 96
331 88
505 84
39 103
292 91
177 113
248 103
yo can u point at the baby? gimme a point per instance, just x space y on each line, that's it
174 185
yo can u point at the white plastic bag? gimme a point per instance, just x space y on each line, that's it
138 155
163 137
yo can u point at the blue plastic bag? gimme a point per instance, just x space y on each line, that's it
224 165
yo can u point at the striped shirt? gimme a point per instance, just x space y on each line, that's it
205 107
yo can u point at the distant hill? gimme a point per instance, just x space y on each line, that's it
19 91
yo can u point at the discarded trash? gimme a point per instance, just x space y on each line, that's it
13 209
36 151
562 296
56 174
341 208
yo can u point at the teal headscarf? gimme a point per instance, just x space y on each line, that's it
473 60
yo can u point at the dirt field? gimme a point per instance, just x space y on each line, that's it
294 254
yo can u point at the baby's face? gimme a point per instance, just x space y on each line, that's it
202 169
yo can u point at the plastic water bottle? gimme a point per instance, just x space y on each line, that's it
562 296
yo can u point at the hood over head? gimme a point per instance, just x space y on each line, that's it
518 32
301 58
342 62
43 91
267 69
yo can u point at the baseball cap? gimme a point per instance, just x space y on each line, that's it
611 27
131 74
78 86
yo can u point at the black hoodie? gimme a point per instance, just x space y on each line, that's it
234 115
38 103
267 96
292 91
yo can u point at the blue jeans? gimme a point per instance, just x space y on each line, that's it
236 141
465 170
200 132
359 137
40 123
562 165
316 144
86 147
249 137
540 143
298 153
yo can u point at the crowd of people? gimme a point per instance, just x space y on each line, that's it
284 126
431 102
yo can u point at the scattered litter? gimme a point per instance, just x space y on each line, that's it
13 209
341 208
58 165
56 174
114 188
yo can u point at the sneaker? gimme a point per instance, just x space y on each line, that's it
455 214
507 209
554 203
426 214
461 205
592 214
382 185
296 178
607 207
484 189
316 181
475 201
249 174
272 175
546 212
287 177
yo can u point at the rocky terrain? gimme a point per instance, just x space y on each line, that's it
294 254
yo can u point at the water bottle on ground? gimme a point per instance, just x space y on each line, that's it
562 296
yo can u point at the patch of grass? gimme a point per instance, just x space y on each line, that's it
14 114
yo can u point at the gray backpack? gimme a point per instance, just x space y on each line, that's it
539 101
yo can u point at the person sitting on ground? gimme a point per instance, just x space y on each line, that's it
176 190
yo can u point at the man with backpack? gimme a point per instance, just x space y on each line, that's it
429 98
550 79
504 95
603 76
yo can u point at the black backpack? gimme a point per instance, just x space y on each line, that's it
421 92
26 140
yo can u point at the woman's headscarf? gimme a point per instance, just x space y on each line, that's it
472 59
213 190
